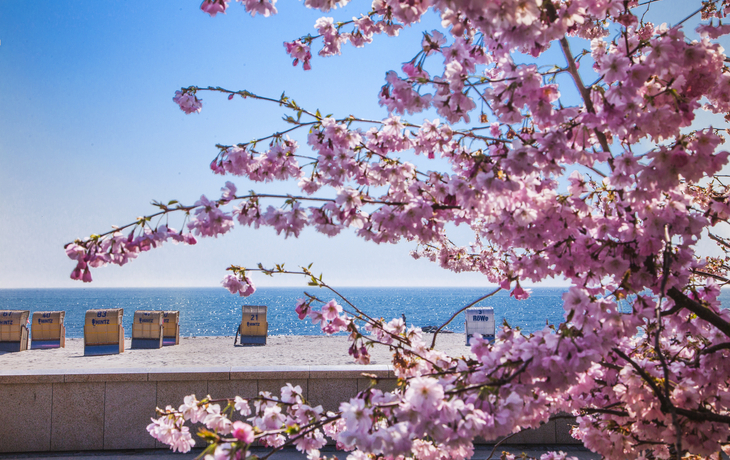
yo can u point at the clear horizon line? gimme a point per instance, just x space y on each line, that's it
284 286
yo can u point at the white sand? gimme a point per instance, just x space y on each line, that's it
280 350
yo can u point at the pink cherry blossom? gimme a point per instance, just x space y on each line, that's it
188 102
243 432
213 7
331 310
572 143
237 284
263 7
331 37
300 52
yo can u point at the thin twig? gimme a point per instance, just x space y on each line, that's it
433 342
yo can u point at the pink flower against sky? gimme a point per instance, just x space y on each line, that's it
213 7
189 103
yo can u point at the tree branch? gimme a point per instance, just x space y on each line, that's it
702 312
714 348
584 92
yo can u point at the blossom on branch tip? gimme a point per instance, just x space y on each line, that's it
302 308
263 7
520 294
300 51
213 7
237 284
188 102
325 5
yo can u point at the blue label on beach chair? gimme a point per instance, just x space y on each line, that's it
253 340
97 350
146 343
45 344
10 346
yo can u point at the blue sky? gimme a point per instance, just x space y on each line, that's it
89 135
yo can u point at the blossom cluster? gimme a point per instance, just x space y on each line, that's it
238 284
188 101
170 427
439 410
263 7
606 189
119 249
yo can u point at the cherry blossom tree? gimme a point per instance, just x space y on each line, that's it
610 189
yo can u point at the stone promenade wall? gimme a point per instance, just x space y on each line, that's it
109 409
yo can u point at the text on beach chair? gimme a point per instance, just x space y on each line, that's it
103 332
147 329
47 330
254 327
13 330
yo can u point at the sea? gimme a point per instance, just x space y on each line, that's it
216 312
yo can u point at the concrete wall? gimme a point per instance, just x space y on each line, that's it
110 408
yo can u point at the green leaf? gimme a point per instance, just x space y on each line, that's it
207 435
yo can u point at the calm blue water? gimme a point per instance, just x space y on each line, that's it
215 312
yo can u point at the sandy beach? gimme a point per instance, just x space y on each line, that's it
280 350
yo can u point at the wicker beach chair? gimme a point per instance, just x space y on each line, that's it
253 327
48 330
171 329
103 332
147 329
13 330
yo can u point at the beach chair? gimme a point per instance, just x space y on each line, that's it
147 329
103 332
480 320
47 330
171 328
13 330
253 327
